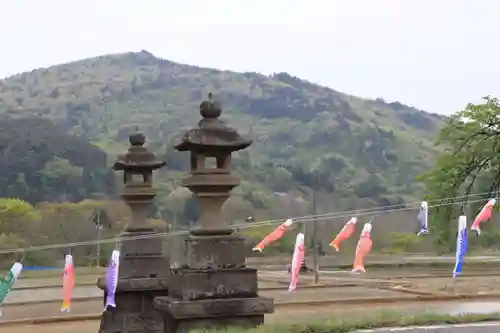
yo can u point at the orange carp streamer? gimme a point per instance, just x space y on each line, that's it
345 233
364 247
297 260
483 215
68 282
273 236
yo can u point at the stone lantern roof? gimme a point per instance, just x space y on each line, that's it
211 132
138 158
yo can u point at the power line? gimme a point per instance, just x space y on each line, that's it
238 227
389 207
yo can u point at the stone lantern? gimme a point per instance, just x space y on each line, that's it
211 184
138 164
144 267
214 287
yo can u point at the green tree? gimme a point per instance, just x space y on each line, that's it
10 241
469 163
17 217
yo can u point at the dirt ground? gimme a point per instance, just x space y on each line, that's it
294 316
462 285
35 310
53 281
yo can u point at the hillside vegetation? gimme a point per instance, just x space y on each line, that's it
357 151
41 161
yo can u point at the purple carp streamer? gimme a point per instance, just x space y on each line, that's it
112 279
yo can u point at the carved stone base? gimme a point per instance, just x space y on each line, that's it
143 275
114 321
217 251
192 284
183 316
214 289
134 312
141 258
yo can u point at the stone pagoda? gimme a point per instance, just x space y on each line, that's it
214 288
143 266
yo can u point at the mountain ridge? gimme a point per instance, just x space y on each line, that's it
357 148
144 54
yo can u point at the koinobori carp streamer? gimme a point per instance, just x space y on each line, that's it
423 228
364 247
274 235
483 215
112 279
462 245
68 282
8 281
297 260
346 232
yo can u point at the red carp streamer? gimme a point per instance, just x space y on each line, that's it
344 234
273 236
483 215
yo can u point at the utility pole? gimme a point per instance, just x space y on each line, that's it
315 232
174 240
99 228
175 225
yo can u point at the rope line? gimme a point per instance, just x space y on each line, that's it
304 219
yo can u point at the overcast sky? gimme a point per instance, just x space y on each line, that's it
437 55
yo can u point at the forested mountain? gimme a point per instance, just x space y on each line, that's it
40 161
305 134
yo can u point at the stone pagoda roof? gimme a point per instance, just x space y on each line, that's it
138 158
211 132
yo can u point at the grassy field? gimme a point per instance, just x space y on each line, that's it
379 320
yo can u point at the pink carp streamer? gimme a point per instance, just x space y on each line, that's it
297 260
273 236
483 215
344 234
68 282
364 247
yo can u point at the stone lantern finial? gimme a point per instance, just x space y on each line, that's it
210 109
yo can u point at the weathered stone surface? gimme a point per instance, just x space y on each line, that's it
148 267
111 322
177 250
151 322
145 284
214 307
135 311
137 284
129 302
143 258
215 252
190 284
139 248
